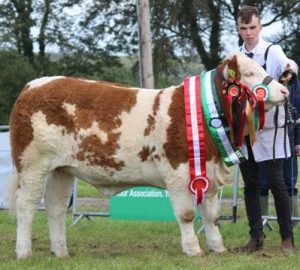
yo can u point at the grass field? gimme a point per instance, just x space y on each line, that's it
106 244
102 243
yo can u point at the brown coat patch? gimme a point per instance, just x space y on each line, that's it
99 154
233 65
176 146
151 117
151 125
146 153
99 101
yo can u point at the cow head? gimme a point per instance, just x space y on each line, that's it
240 67
247 92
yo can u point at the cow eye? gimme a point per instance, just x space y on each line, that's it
249 74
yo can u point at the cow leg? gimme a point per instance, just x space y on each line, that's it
183 207
57 198
209 215
28 198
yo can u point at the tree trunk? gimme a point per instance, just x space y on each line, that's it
23 25
146 66
41 38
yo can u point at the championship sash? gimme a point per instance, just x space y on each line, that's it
199 183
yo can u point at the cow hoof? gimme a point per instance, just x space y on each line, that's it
62 255
219 250
195 253
201 253
24 255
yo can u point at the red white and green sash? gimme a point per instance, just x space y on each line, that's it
201 104
218 128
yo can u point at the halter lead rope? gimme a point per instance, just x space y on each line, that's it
291 122
290 114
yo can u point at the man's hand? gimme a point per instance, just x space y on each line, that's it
288 75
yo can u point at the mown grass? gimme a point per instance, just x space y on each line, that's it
106 244
102 243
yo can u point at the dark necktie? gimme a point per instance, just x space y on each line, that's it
250 55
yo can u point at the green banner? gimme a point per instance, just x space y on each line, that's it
142 203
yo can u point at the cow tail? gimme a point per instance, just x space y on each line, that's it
12 191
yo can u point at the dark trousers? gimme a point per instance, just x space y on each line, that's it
290 173
274 172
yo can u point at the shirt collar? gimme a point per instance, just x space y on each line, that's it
259 49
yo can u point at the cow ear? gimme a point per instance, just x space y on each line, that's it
231 70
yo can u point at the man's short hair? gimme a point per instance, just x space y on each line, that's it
246 13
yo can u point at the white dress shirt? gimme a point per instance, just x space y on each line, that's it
275 65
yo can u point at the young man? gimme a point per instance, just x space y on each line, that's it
290 166
267 144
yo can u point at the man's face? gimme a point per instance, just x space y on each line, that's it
249 32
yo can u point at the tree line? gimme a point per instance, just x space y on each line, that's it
99 39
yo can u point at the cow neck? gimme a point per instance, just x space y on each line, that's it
238 102
215 117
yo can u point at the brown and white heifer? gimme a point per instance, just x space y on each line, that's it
114 137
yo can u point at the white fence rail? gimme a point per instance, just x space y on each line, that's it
6 167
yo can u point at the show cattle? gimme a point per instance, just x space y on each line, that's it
114 137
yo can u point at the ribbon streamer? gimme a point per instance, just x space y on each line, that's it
199 183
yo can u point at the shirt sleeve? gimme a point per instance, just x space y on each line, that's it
277 62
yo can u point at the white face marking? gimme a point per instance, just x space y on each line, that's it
252 74
41 81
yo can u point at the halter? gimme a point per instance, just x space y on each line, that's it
240 104
262 93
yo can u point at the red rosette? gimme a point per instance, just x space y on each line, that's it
199 186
